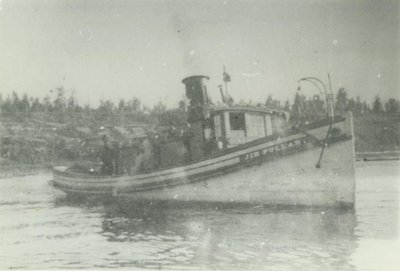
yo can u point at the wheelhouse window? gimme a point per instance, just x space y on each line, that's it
237 121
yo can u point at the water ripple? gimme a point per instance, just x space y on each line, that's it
41 228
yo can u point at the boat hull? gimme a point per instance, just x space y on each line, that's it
278 172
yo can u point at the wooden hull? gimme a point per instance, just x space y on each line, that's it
278 172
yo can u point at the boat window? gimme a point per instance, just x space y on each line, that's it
237 121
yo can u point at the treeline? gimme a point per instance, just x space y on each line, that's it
61 108
303 106
376 123
314 107
44 131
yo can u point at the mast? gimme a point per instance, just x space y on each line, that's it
332 100
227 78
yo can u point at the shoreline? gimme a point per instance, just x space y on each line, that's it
20 170
378 156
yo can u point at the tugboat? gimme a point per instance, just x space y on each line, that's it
235 154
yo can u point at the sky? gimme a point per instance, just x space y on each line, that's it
103 49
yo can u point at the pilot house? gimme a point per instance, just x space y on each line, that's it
227 125
239 125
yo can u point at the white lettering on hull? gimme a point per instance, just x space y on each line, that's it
273 149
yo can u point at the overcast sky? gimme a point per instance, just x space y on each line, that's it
121 49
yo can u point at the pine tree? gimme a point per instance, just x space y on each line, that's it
357 106
15 102
71 103
36 106
48 107
269 102
121 105
392 106
136 104
314 109
377 105
24 104
351 105
296 112
6 105
365 108
341 101
287 106
59 102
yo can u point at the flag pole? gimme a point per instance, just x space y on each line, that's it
226 83
332 101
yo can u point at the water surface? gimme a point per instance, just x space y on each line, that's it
40 228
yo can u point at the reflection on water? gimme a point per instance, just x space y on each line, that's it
235 238
40 228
